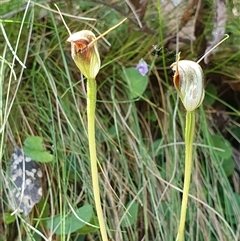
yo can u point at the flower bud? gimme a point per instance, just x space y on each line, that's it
189 80
85 56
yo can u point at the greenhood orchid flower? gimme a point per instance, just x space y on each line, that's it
85 54
189 83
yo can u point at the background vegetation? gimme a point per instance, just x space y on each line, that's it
139 133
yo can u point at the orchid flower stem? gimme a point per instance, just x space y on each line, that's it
189 133
91 106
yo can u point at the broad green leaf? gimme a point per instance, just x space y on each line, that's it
131 215
71 223
33 148
89 229
136 82
8 218
221 143
36 236
211 92
230 211
43 207
84 5
34 142
236 130
228 166
39 156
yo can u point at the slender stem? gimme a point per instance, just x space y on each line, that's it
91 106
189 133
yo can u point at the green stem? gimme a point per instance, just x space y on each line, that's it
189 133
91 106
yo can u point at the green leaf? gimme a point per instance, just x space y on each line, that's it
221 143
36 236
211 92
89 229
230 211
236 130
228 166
136 82
84 5
131 215
38 156
43 207
34 142
33 148
8 218
71 223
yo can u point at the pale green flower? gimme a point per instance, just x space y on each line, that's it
84 54
189 82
